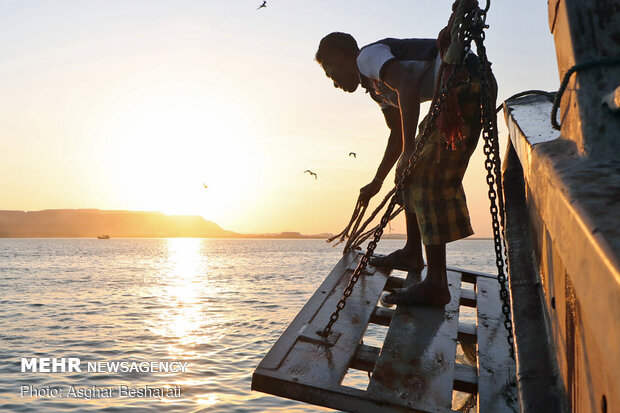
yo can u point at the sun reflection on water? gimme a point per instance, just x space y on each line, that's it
184 290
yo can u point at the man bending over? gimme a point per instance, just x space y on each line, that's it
399 74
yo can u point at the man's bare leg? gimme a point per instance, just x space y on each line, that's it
433 290
410 256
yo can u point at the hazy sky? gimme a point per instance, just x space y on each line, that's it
127 104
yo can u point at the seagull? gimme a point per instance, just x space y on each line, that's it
263 5
353 153
205 185
310 172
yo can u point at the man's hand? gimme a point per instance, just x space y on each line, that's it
369 191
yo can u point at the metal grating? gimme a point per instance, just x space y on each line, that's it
414 371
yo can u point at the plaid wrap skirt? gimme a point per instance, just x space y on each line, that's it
435 190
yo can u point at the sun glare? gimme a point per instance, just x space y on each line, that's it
182 154
182 292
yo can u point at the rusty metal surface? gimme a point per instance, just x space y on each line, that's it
580 196
539 383
573 202
466 331
275 356
336 397
468 298
309 360
497 387
465 376
415 371
313 317
416 365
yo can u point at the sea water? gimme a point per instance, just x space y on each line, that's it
216 305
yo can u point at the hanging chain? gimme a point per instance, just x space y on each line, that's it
433 113
492 165
471 29
385 219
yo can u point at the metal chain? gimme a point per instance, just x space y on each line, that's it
471 29
433 113
493 166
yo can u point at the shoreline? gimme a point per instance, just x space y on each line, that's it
249 236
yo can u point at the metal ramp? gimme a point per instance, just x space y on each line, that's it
415 370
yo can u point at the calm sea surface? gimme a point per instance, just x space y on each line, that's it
217 305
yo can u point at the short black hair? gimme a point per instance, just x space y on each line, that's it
336 43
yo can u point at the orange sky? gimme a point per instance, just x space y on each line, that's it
133 105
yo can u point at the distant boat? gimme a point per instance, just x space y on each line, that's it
104 236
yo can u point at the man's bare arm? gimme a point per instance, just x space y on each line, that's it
395 76
394 146
392 151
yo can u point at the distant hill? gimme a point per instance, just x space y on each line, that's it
90 223
287 235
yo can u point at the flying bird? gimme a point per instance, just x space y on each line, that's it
310 172
263 5
353 153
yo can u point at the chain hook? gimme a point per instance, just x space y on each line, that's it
474 32
480 16
486 8
479 20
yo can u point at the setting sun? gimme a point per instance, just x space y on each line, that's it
139 108
165 144
171 171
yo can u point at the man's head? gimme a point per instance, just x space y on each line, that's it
337 55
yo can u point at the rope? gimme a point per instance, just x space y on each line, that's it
468 30
607 61
455 27
358 214
455 52
434 111
548 95
356 234
363 237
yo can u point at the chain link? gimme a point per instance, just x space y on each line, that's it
471 29
434 112
492 165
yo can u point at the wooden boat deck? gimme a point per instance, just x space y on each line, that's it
415 370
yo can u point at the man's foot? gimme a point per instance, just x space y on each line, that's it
419 294
398 260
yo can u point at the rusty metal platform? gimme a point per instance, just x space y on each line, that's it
416 370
